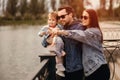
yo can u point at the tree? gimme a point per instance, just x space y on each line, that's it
11 7
53 4
102 12
23 7
102 4
41 6
78 6
34 7
110 10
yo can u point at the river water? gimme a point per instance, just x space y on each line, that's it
19 50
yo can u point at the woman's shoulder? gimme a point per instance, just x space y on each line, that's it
94 31
76 25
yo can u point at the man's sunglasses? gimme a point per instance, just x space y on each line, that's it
62 16
84 17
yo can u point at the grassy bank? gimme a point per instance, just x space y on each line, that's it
44 21
22 22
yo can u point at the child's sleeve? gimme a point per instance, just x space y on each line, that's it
42 31
44 41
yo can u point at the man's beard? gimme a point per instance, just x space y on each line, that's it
66 26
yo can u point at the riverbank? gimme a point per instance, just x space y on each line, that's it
22 22
42 21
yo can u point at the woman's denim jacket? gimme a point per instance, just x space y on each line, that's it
92 57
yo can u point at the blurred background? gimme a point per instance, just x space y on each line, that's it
37 9
21 20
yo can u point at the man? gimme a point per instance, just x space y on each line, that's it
73 48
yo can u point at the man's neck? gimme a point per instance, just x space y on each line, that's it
67 26
71 21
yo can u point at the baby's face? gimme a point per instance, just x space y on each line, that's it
52 21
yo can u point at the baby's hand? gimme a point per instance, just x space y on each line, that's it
55 31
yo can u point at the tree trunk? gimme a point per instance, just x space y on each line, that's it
110 11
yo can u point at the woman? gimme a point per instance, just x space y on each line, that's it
94 62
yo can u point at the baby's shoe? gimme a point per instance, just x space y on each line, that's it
60 67
60 73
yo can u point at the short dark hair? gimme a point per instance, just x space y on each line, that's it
68 9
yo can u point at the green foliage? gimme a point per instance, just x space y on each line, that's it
102 13
23 6
34 7
35 10
22 22
107 15
11 7
78 7
28 16
41 7
117 12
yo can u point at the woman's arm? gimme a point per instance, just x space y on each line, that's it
78 35
91 37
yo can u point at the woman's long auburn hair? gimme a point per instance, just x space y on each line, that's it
94 20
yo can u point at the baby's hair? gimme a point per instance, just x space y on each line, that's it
53 14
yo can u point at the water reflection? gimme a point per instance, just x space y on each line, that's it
19 50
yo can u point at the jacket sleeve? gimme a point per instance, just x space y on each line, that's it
44 42
79 35
43 31
89 37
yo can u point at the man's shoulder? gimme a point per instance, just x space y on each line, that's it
77 25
